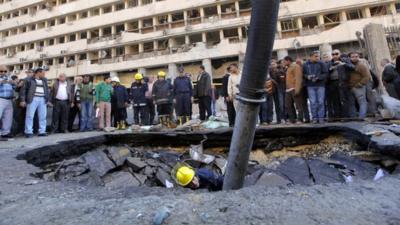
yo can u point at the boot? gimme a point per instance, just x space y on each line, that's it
123 125
161 118
180 120
187 119
118 126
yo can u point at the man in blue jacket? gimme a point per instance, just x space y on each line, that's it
315 73
139 102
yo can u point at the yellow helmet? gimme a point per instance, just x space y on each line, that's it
184 175
162 74
138 76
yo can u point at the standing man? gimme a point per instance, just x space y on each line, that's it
315 74
389 75
61 97
138 94
104 92
229 104
149 98
87 93
294 85
359 79
278 76
119 102
75 106
183 91
7 87
233 84
203 92
35 96
162 92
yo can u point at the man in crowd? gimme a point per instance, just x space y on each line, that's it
266 108
162 92
119 102
359 79
87 93
278 76
338 91
138 95
61 97
315 74
75 106
233 84
35 96
294 85
7 87
229 103
183 92
104 92
203 90
389 76
149 98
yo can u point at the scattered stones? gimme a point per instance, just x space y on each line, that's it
361 170
296 169
135 163
121 179
98 162
323 173
118 154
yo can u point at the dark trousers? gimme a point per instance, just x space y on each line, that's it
119 114
231 113
294 106
266 110
73 112
60 116
306 111
164 109
152 110
205 107
19 119
141 115
183 106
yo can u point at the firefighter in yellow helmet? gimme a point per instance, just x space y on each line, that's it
162 92
139 103
189 177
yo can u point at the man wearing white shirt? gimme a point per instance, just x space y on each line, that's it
61 97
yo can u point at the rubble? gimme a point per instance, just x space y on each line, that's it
121 179
118 155
99 162
135 163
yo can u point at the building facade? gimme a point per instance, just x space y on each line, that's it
99 37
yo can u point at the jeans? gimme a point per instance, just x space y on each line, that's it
266 110
86 115
359 95
317 102
6 115
39 104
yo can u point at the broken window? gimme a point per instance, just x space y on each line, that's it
309 22
231 34
107 9
194 16
354 14
178 20
120 28
194 38
148 46
245 7
82 56
119 7
289 25
210 11
72 37
120 51
145 2
106 31
332 18
147 25
133 3
228 10
133 26
162 22
163 44
213 38
378 11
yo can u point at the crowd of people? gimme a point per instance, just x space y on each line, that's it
335 88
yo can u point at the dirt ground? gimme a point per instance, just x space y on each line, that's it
25 200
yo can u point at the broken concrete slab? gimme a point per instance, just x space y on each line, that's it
252 179
121 180
118 154
98 162
149 171
296 169
135 163
141 178
323 173
361 170
163 177
152 162
270 179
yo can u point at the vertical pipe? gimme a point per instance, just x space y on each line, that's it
258 54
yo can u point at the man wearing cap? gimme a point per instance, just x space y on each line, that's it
7 86
104 91
35 96
138 95
61 97
119 102
162 91
183 92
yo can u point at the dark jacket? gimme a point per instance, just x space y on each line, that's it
225 80
119 97
203 85
340 71
389 76
76 94
183 85
318 70
208 179
54 90
279 76
162 91
28 90
138 94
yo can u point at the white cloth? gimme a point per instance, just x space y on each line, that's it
62 93
39 92
233 87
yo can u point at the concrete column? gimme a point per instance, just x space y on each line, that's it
378 49
88 35
204 37
343 16
208 67
237 9
142 71
325 49
89 13
367 12
140 2
113 29
187 39
202 14
241 61
185 17
279 29
155 23
140 25
100 32
221 35
141 47
155 45
240 33
282 53
219 10
127 50
78 16
113 52
320 20
101 11
172 71
113 8
392 8
169 21
299 23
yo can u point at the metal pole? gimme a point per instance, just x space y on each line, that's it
258 54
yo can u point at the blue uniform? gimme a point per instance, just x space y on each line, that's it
138 95
183 92
208 179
